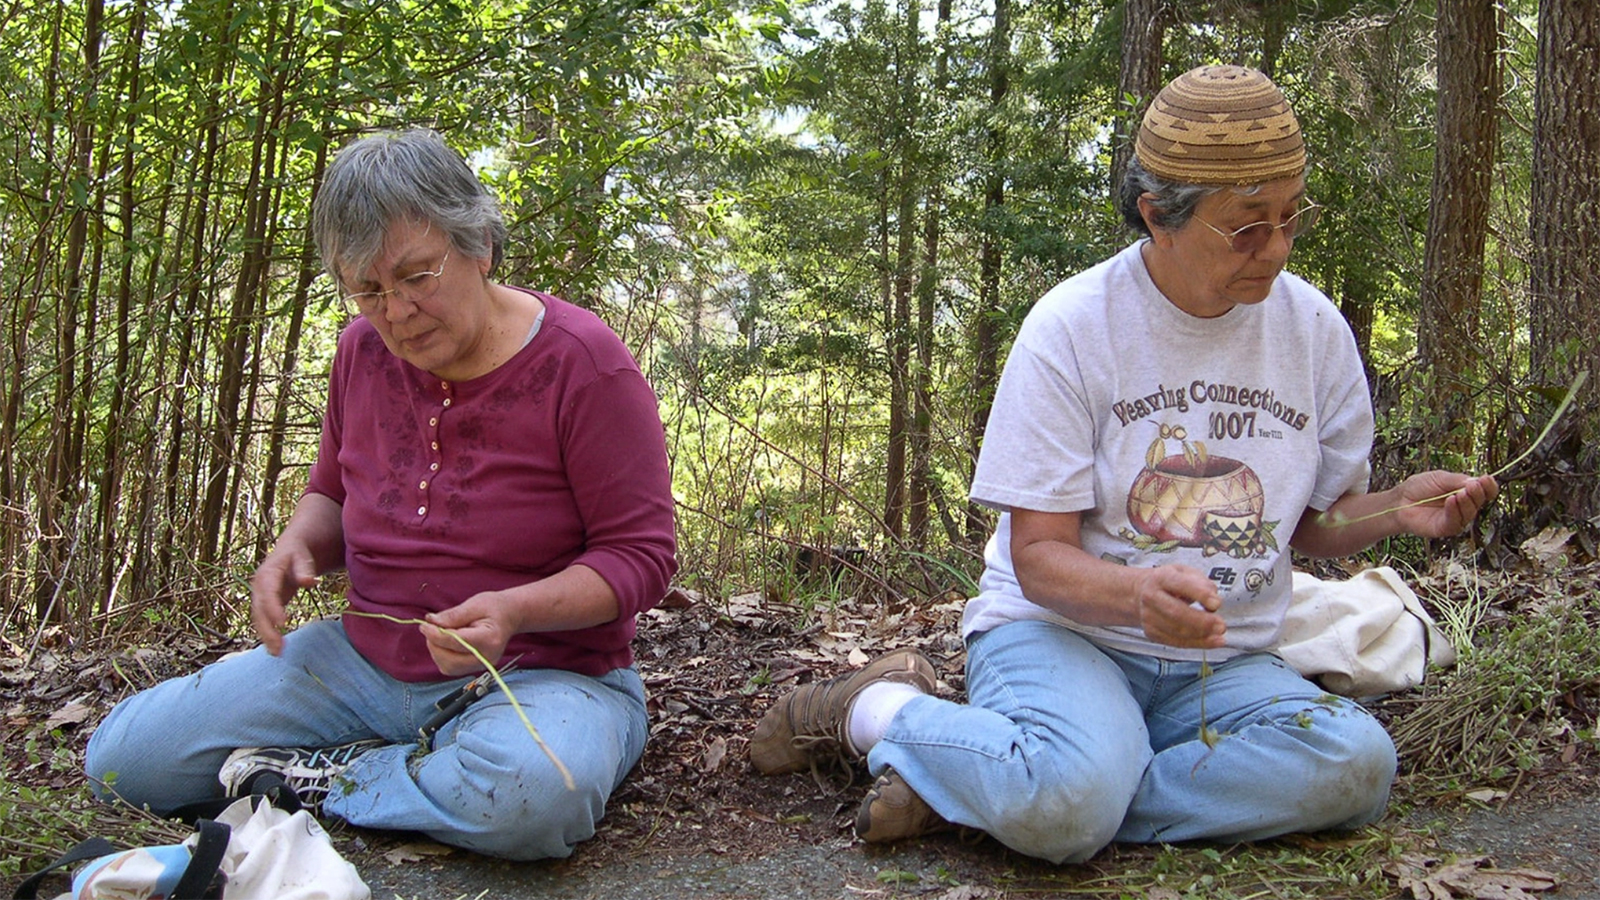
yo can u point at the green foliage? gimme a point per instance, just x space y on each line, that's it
42 819
1517 698
727 183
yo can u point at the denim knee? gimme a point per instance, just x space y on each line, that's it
1368 774
1063 818
522 806
102 759
1351 788
125 760
525 835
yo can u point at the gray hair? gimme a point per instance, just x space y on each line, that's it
1174 201
392 176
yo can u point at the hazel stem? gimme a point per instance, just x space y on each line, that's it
566 776
1337 520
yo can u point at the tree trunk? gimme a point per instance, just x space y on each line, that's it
271 190
60 489
1565 283
1275 21
985 343
1144 26
144 514
288 368
1458 214
226 439
1357 312
900 330
194 221
116 416
927 295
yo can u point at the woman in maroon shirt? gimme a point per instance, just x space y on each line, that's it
492 464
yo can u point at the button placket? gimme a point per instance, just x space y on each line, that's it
424 484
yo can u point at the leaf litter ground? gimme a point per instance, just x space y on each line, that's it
693 819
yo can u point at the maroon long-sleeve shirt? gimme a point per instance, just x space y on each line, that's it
448 488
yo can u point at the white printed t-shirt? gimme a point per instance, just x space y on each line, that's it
1180 439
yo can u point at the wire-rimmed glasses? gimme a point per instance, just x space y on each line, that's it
412 289
1251 238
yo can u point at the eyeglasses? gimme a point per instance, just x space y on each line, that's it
1251 238
412 289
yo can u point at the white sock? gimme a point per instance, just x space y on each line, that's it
874 708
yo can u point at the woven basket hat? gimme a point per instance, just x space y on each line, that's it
1221 125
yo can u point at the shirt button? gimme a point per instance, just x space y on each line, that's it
447 401
423 486
422 510
434 467
433 421
435 445
444 385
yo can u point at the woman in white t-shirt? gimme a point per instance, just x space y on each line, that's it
1169 423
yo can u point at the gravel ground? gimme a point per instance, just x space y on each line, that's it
1560 835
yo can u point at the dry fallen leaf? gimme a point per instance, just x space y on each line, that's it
1476 878
746 609
714 755
966 892
415 852
680 598
72 714
1546 547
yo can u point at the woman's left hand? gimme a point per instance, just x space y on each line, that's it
1441 504
482 621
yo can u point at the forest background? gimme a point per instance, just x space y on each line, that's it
818 224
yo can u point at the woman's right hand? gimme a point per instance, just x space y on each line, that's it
287 569
315 532
1178 607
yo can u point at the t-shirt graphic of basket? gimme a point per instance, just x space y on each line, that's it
1194 499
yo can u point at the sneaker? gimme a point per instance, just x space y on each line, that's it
810 721
892 811
311 772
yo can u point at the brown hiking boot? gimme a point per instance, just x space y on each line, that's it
892 811
810 719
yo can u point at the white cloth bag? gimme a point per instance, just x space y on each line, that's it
270 853
283 855
1365 636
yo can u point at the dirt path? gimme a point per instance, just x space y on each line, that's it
1555 834
1562 838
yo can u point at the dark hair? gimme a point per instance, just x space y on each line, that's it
390 176
1174 201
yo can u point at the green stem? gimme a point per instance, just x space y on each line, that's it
1208 735
1339 521
566 776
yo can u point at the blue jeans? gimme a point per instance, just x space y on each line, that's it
486 786
1065 747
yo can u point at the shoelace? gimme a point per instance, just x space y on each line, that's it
827 757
